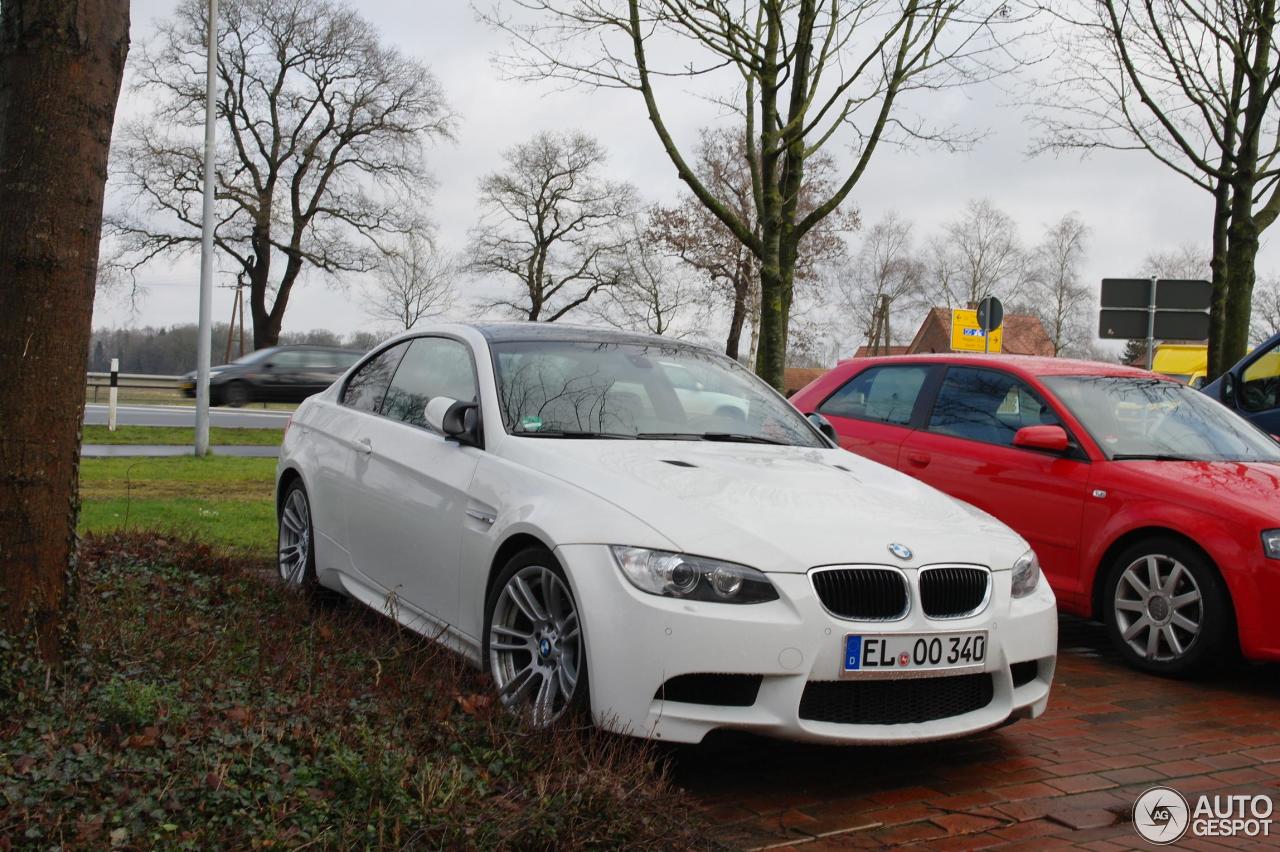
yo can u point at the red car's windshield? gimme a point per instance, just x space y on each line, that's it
1133 417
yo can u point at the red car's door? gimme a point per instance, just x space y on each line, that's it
872 412
966 449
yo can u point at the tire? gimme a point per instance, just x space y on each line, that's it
533 640
296 538
1186 626
237 394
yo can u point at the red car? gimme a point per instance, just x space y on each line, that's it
1151 507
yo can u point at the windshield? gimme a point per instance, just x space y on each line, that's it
1133 417
566 389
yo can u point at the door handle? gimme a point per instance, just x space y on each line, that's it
919 459
364 445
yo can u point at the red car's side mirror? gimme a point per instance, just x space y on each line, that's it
1051 438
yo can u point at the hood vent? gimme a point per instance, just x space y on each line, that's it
678 463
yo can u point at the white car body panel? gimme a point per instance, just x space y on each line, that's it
414 527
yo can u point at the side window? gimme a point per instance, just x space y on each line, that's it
433 366
1260 389
368 385
883 394
290 359
322 359
986 405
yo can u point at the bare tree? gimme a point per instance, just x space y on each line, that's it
1266 311
413 281
1196 85
1058 296
321 134
653 294
977 255
553 223
61 64
806 74
693 233
1185 261
886 274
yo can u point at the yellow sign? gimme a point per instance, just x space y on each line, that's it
967 336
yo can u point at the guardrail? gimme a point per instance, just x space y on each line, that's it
100 382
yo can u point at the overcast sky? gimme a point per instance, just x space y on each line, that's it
1133 206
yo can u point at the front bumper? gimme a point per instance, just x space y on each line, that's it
637 642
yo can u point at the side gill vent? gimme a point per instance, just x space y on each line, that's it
678 463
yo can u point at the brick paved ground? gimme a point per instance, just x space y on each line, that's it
1067 779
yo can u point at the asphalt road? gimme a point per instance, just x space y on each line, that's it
95 414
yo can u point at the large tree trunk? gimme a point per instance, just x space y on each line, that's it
1242 232
1241 256
771 355
738 316
61 63
1218 277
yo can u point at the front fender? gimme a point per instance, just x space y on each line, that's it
1207 532
525 502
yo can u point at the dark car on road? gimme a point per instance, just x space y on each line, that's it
274 374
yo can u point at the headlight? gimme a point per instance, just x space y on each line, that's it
1271 544
678 575
1026 574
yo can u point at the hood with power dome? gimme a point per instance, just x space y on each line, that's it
776 508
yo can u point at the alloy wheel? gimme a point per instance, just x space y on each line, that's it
535 644
295 538
1159 608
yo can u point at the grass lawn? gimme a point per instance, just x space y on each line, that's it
222 500
206 706
182 435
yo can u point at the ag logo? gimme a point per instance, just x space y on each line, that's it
1161 815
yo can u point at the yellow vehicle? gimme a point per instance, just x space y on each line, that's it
1186 362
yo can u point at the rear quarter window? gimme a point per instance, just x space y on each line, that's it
367 387
880 394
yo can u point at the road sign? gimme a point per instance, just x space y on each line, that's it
1126 293
1179 294
990 313
1183 295
967 334
1123 323
1154 309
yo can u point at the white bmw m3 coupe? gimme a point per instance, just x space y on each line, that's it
641 529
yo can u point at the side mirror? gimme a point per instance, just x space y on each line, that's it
1050 438
454 419
1228 389
824 426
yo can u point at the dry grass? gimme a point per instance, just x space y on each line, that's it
210 707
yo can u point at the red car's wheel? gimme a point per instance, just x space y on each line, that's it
1167 610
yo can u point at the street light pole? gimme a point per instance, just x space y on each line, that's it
204 341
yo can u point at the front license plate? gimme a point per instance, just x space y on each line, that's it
908 654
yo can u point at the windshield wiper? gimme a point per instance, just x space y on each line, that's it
561 433
1149 457
727 437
